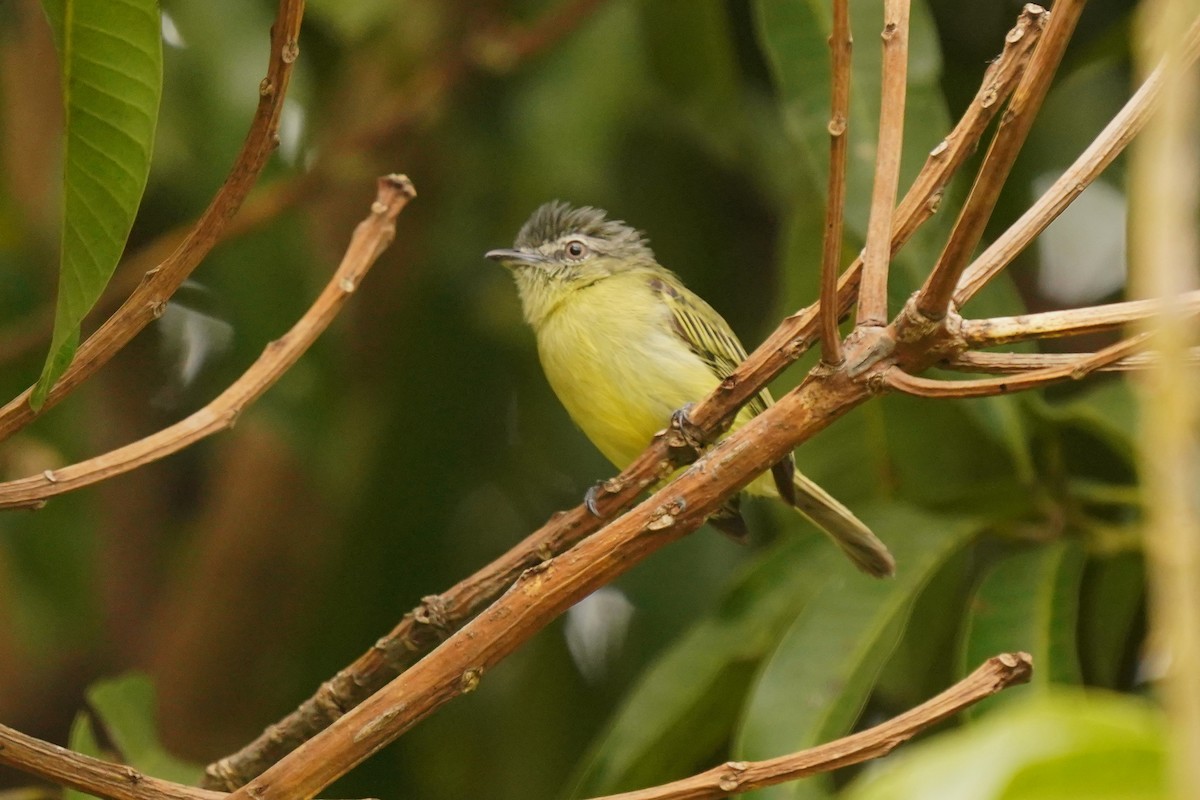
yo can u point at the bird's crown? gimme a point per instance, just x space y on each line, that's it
557 220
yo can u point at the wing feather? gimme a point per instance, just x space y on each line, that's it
709 336
705 332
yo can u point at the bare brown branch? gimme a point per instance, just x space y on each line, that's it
1007 363
933 301
370 239
157 286
1078 369
840 45
438 615
1069 322
877 256
99 778
736 777
545 591
1093 161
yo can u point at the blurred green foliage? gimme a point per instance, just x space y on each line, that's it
418 439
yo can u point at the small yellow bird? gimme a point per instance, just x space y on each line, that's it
625 344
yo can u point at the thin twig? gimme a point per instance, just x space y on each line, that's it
877 255
933 300
735 777
1093 161
840 46
149 299
439 615
1083 366
1008 363
99 778
1069 322
370 239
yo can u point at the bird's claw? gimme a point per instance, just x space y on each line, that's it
591 496
685 439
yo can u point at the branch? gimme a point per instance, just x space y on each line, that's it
1083 366
370 239
872 296
99 778
1094 160
546 591
1070 322
149 299
995 363
933 300
438 615
736 777
840 45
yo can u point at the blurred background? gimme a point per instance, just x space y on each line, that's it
418 439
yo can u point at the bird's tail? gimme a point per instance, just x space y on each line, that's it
847 531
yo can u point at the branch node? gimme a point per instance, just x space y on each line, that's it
874 344
731 779
290 51
365 732
665 515
432 613
470 679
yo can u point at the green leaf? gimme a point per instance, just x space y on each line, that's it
1028 601
1063 744
683 707
111 59
816 683
126 708
1111 602
82 739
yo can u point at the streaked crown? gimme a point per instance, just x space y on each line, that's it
557 221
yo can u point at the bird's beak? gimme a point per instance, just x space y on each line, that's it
507 256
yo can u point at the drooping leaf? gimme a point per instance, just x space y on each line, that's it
1028 601
817 681
125 707
1063 744
685 704
111 59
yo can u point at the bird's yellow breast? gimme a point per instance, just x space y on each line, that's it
620 383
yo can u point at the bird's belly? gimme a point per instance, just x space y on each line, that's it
620 389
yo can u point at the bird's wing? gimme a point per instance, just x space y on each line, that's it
709 336
705 333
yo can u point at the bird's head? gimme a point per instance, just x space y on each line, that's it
561 249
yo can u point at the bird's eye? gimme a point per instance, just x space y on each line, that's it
576 249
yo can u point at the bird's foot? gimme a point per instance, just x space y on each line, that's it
685 439
591 498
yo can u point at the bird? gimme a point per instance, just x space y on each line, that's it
625 345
